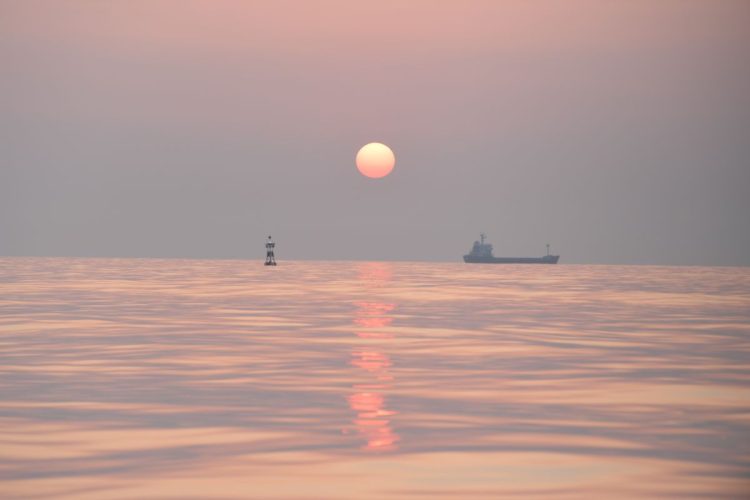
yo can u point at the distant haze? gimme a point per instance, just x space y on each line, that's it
619 132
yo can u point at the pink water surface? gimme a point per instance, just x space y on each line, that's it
141 378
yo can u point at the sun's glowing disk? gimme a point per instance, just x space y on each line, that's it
375 160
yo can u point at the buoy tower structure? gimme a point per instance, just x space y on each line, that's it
270 258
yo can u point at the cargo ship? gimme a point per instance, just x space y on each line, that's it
481 253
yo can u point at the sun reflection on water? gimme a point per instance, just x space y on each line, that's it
372 319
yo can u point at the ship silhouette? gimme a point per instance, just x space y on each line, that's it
481 253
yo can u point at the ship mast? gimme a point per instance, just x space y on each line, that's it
482 237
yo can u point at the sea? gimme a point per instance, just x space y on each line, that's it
226 379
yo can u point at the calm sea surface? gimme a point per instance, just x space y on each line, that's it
140 378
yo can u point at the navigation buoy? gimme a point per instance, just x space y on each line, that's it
270 259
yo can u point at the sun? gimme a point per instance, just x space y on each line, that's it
375 160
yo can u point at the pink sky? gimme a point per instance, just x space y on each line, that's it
622 119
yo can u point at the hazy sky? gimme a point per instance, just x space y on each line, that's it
617 131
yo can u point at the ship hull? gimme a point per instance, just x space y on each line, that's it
548 259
